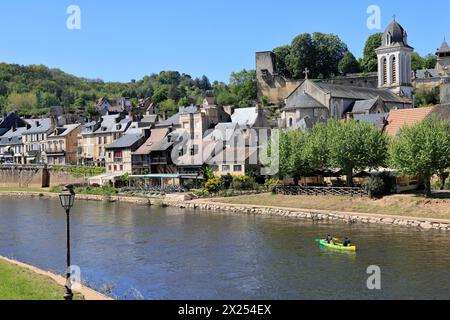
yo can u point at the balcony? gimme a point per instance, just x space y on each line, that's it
118 160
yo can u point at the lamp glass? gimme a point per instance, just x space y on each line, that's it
67 200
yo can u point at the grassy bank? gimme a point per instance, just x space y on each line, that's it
400 205
24 189
17 283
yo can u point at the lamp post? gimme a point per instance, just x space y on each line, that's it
67 199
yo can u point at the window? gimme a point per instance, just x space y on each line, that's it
384 64
121 167
291 122
115 167
109 167
105 140
226 168
185 125
394 69
237 168
99 140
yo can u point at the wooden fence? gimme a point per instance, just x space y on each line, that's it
321 191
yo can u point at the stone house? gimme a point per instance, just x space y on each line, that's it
62 145
35 140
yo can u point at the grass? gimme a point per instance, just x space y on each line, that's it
17 283
401 205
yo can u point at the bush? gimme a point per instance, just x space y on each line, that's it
271 184
227 180
244 183
214 185
375 186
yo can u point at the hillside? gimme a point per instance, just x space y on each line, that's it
32 90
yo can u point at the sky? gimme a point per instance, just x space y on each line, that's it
122 40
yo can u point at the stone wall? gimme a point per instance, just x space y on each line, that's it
35 177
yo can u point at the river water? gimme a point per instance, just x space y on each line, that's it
167 253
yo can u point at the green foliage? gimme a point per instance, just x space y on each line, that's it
281 54
227 180
349 64
375 187
271 184
427 97
214 185
169 106
102 191
422 149
243 86
80 171
241 183
419 62
319 52
369 62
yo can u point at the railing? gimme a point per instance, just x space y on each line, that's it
321 191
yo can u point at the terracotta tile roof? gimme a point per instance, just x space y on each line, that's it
399 118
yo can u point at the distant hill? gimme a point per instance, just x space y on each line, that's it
32 90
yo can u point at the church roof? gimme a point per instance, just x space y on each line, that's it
364 106
302 101
397 34
359 93
445 48
426 73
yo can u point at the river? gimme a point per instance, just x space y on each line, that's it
168 253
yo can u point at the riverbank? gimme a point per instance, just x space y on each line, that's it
20 281
340 209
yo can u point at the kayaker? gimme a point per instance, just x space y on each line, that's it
329 239
347 242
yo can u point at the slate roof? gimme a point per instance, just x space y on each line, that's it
11 140
39 125
126 141
109 124
427 73
364 106
64 131
445 48
172 121
156 136
304 101
359 93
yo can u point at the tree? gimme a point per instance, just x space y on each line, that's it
426 97
169 106
243 86
369 62
429 61
417 61
329 50
423 150
23 103
281 54
161 94
355 146
349 64
226 99
301 56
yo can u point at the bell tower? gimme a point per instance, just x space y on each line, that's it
394 61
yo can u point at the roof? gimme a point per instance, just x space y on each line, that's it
364 106
396 34
11 140
400 118
113 123
165 143
126 141
427 73
39 125
64 131
156 136
359 93
304 100
445 48
173 120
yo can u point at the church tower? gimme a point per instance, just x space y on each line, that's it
443 60
394 61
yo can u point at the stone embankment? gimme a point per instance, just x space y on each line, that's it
295 213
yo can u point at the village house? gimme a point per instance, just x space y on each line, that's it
35 139
119 159
11 146
62 145
104 106
96 136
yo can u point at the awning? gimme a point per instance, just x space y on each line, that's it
166 176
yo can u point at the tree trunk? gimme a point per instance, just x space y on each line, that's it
443 177
350 178
295 181
428 187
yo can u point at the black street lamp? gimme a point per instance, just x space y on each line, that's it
67 199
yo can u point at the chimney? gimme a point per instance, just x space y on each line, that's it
38 124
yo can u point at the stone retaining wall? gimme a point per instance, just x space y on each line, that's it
314 215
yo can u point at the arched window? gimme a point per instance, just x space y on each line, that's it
384 64
394 69
291 122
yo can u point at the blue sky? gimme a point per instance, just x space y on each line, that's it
122 40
